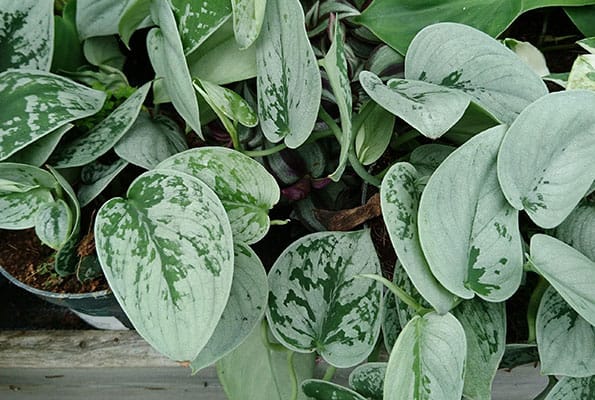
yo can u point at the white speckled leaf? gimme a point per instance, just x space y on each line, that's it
399 199
38 152
429 108
26 34
368 379
485 329
248 16
572 389
244 310
101 17
566 342
582 73
578 229
427 157
95 177
545 164
460 57
150 141
53 224
167 253
428 360
324 390
468 232
231 104
289 83
571 273
317 302
244 186
35 103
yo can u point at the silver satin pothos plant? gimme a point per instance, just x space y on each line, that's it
488 187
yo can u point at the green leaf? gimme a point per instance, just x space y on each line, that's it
103 137
368 379
35 103
416 367
428 157
104 50
167 253
399 200
373 138
485 329
150 141
492 75
289 83
468 231
566 342
587 44
100 17
317 302
582 17
582 73
26 34
53 224
430 109
573 389
24 191
136 14
571 273
244 310
244 186
95 177
248 16
68 55
578 229
231 104
517 354
324 390
545 164
38 152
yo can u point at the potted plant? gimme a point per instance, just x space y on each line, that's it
482 177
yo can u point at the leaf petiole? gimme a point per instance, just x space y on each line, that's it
400 293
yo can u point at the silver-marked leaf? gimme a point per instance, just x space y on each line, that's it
578 229
573 389
485 329
100 17
35 103
168 60
324 390
566 342
24 190
429 108
545 164
95 177
167 253
571 273
244 310
26 34
317 302
53 224
468 231
428 360
289 83
517 354
427 157
399 200
373 138
460 57
150 141
231 104
588 43
335 65
136 15
248 16
368 379
582 73
244 186
38 152
530 55
197 20
99 140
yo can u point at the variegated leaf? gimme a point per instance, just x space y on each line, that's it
248 16
99 140
429 108
582 73
244 186
571 273
467 230
417 364
24 190
289 83
516 354
566 342
35 103
38 152
368 379
485 329
231 104
578 229
427 157
150 141
167 253
399 199
573 388
53 224
373 138
545 164
244 310
101 17
95 177
27 34
317 302
324 390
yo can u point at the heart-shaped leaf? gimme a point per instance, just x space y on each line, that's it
545 164
248 16
373 138
368 379
566 342
27 34
38 152
244 186
95 177
572 389
317 302
53 224
289 84
468 231
578 229
167 253
323 390
35 103
416 367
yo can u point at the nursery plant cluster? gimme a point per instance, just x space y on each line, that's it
166 169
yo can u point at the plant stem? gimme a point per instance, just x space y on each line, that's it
397 291
533 306
264 335
329 373
292 375
266 152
